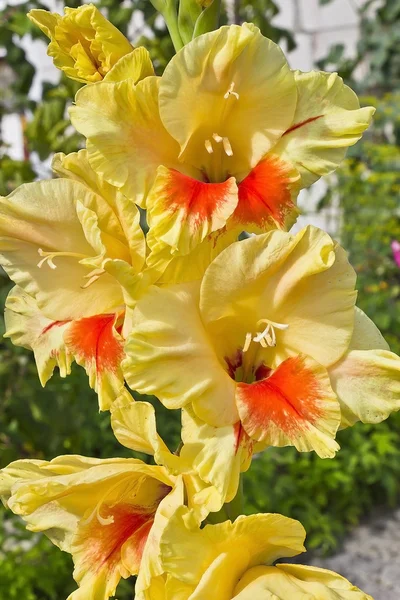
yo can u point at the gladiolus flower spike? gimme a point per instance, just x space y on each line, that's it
132 264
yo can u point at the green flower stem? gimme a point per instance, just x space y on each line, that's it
168 10
171 20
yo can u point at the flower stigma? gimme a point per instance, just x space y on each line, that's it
230 92
49 256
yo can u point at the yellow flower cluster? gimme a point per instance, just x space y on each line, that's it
257 341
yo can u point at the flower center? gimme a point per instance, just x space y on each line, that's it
266 337
219 138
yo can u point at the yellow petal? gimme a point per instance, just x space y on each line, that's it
93 342
134 426
16 472
104 512
77 166
231 83
123 222
215 557
301 582
168 268
134 66
303 283
99 348
293 405
83 43
183 211
367 379
126 139
169 354
266 197
45 20
219 454
328 119
26 326
39 224
151 565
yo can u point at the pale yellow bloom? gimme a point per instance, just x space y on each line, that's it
83 43
224 140
106 513
71 246
109 513
232 561
267 350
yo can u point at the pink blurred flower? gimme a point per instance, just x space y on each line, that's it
396 252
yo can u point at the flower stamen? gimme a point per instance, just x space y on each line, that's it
247 342
225 143
267 337
92 277
208 146
230 92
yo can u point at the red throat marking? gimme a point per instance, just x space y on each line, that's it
288 398
198 199
264 195
93 339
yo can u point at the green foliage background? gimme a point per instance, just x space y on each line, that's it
328 496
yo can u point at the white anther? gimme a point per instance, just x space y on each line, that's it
227 146
230 92
92 277
225 142
247 342
209 147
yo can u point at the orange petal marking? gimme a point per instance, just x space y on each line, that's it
242 440
103 543
264 195
52 325
289 399
117 545
198 199
93 341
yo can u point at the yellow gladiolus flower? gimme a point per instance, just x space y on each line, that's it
233 561
83 43
106 513
223 140
109 513
71 245
268 350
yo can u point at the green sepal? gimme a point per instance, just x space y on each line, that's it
168 10
209 19
189 12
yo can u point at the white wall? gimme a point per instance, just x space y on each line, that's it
316 28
